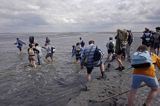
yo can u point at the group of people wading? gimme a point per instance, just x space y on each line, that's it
144 60
35 51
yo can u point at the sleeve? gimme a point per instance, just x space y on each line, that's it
116 36
16 43
142 37
107 45
158 61
83 56
131 37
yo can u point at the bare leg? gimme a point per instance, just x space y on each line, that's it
119 60
102 69
131 97
108 57
89 77
34 64
150 96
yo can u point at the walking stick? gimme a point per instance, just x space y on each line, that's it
117 94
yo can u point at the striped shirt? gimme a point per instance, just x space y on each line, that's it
89 53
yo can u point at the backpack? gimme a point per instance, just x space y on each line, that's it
30 51
82 43
78 50
53 49
130 38
123 37
111 45
147 37
97 55
141 60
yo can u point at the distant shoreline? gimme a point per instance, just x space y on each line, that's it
54 32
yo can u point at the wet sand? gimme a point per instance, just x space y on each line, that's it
103 92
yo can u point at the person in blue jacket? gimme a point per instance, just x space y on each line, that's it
19 44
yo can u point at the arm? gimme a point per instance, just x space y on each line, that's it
16 42
35 50
107 45
83 56
44 47
158 61
22 42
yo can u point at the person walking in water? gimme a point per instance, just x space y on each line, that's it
88 60
82 43
39 53
147 37
156 41
144 71
121 42
31 56
47 42
73 50
128 46
78 52
110 48
19 44
50 51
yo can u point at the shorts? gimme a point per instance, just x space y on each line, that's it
31 58
122 52
149 81
20 48
78 56
148 44
156 45
49 55
110 51
89 70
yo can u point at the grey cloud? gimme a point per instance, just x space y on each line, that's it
77 14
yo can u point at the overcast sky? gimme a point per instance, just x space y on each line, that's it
78 15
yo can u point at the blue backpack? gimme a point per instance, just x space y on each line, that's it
141 60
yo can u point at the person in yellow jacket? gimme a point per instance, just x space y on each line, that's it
146 75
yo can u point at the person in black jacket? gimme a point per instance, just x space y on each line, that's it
147 37
128 46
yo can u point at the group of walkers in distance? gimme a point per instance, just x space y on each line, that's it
35 51
144 60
